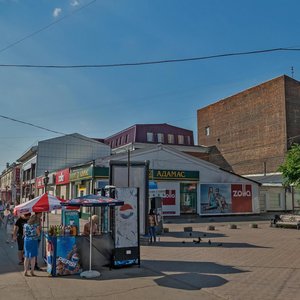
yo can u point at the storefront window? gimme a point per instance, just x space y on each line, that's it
188 198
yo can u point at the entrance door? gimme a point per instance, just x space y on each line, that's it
188 198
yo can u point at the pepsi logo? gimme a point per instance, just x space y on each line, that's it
126 211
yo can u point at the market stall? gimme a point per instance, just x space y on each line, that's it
69 252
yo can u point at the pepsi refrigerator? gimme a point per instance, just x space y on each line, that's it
126 228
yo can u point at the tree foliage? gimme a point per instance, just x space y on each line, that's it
291 167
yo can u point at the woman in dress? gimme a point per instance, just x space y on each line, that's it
31 234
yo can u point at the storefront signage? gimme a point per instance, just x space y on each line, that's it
173 175
87 173
62 177
17 175
39 182
82 173
101 172
226 198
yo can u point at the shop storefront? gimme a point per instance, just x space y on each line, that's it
181 190
62 181
86 180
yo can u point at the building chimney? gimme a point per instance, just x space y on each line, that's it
7 165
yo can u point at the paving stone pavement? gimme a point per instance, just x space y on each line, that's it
243 263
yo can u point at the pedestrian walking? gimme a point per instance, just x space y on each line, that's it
18 235
32 232
152 221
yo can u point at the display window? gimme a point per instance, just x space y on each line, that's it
188 198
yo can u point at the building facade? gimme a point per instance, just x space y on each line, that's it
53 155
253 130
10 184
193 186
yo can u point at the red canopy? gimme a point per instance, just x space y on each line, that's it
43 203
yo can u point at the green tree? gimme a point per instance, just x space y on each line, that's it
291 167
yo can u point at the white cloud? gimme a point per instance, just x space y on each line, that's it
75 3
56 12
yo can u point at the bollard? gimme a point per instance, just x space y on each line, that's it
232 226
210 227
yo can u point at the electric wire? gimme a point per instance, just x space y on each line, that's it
47 26
142 63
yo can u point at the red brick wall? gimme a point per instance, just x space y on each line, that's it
292 88
248 128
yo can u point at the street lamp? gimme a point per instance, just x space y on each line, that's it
46 180
6 194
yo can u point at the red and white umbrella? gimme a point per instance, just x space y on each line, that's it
43 203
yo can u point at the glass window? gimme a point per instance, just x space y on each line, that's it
207 131
160 137
171 138
149 136
188 198
180 139
274 200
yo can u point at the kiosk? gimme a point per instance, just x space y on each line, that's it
69 252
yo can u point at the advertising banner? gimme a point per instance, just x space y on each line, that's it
127 228
70 218
62 177
169 203
67 256
126 219
241 195
226 198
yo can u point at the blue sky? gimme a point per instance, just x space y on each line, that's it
100 102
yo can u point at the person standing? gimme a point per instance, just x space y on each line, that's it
32 232
95 230
152 221
18 235
9 222
39 223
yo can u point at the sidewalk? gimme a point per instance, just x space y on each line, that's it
244 263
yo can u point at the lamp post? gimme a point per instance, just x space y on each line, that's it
6 194
46 180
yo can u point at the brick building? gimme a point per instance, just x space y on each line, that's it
254 129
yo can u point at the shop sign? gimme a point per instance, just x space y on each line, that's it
82 173
170 197
39 182
101 172
17 175
173 175
241 195
62 177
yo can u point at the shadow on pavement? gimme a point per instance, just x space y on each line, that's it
190 281
193 234
204 244
190 275
189 266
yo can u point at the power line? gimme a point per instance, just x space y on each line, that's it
154 62
31 124
47 26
